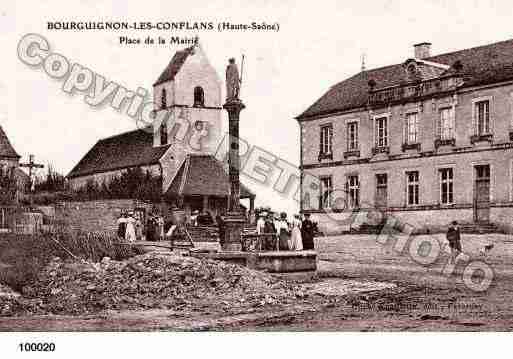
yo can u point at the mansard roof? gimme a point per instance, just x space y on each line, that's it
126 150
480 65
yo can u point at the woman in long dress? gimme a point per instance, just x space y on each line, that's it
130 228
295 237
282 230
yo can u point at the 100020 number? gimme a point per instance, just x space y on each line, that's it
36 347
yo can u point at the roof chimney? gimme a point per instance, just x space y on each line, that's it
422 50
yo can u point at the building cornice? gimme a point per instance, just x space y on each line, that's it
495 147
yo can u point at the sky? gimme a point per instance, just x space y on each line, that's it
319 43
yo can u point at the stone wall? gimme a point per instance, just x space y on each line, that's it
90 216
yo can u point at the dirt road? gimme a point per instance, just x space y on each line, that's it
363 286
424 299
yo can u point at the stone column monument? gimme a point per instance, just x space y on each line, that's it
234 220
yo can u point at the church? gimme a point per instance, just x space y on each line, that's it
8 155
181 145
10 161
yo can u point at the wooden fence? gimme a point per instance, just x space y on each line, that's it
20 220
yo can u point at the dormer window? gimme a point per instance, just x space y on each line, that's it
412 69
199 97
163 99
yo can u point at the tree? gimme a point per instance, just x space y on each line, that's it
133 183
52 182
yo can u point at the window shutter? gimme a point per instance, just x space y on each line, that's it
320 140
438 124
330 143
405 129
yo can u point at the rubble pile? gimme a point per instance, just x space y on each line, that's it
7 292
150 281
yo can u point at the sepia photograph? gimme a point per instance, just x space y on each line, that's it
254 168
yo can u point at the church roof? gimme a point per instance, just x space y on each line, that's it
480 65
6 149
203 175
130 149
174 65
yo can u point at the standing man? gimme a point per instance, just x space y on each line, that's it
270 229
150 228
307 232
122 225
454 239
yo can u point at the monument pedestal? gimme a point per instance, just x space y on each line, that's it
233 225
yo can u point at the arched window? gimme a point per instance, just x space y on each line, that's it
199 97
163 99
163 134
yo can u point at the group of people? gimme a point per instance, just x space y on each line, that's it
131 228
279 234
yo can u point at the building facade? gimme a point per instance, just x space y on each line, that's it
183 144
428 141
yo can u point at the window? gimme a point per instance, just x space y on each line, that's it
381 189
482 116
3 220
326 193
163 134
446 186
381 131
411 128
483 172
445 127
326 139
163 99
353 191
199 97
352 136
412 188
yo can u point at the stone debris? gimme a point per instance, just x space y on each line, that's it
7 293
150 281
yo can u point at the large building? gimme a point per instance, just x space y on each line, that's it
428 140
182 148
8 155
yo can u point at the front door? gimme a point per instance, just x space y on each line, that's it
482 193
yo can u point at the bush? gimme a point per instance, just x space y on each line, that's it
22 257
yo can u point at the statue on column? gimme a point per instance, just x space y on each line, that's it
232 81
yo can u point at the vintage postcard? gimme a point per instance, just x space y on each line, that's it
258 166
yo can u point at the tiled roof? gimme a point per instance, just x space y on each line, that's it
203 175
481 65
174 65
126 150
6 149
